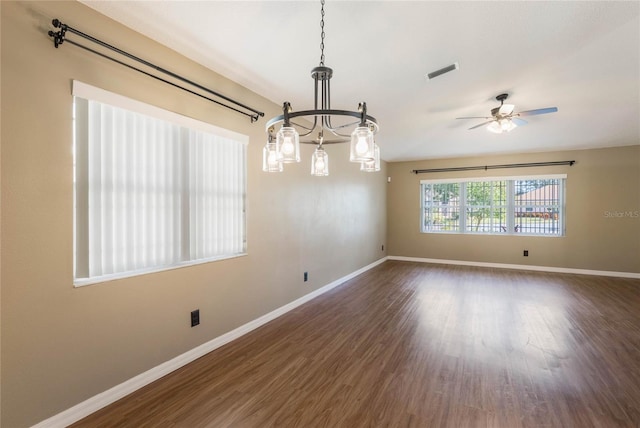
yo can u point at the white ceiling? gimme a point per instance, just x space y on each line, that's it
582 57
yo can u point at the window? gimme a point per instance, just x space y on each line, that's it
510 205
152 189
441 203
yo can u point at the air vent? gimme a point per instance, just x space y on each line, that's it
443 70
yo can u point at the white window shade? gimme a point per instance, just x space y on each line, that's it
152 193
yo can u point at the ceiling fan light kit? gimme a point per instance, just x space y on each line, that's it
283 146
503 119
500 126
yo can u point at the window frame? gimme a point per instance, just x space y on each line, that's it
510 219
187 124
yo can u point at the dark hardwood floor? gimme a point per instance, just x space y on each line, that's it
419 345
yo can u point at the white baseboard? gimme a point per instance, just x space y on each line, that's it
519 267
105 398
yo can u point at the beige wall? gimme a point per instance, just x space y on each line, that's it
601 180
62 345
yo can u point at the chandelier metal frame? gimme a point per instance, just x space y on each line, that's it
322 76
322 131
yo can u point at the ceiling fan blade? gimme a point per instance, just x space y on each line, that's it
518 121
475 117
506 109
482 124
538 111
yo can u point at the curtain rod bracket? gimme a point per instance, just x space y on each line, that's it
58 37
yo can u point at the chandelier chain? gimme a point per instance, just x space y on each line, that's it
322 34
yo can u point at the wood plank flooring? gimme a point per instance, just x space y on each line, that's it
419 345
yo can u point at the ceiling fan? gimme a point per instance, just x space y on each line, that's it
503 119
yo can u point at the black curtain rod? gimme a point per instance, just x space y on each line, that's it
59 37
487 167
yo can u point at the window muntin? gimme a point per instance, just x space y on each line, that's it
510 205
152 191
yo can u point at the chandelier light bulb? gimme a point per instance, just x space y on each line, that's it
288 140
271 158
320 163
287 146
362 145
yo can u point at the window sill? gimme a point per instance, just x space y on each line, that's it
81 282
494 234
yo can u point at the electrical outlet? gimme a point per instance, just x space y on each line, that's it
306 276
526 253
195 317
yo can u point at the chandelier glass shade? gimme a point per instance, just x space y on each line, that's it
271 157
320 126
362 145
372 165
320 162
288 142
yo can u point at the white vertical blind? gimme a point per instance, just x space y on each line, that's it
217 190
151 194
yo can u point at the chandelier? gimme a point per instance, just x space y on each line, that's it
283 146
